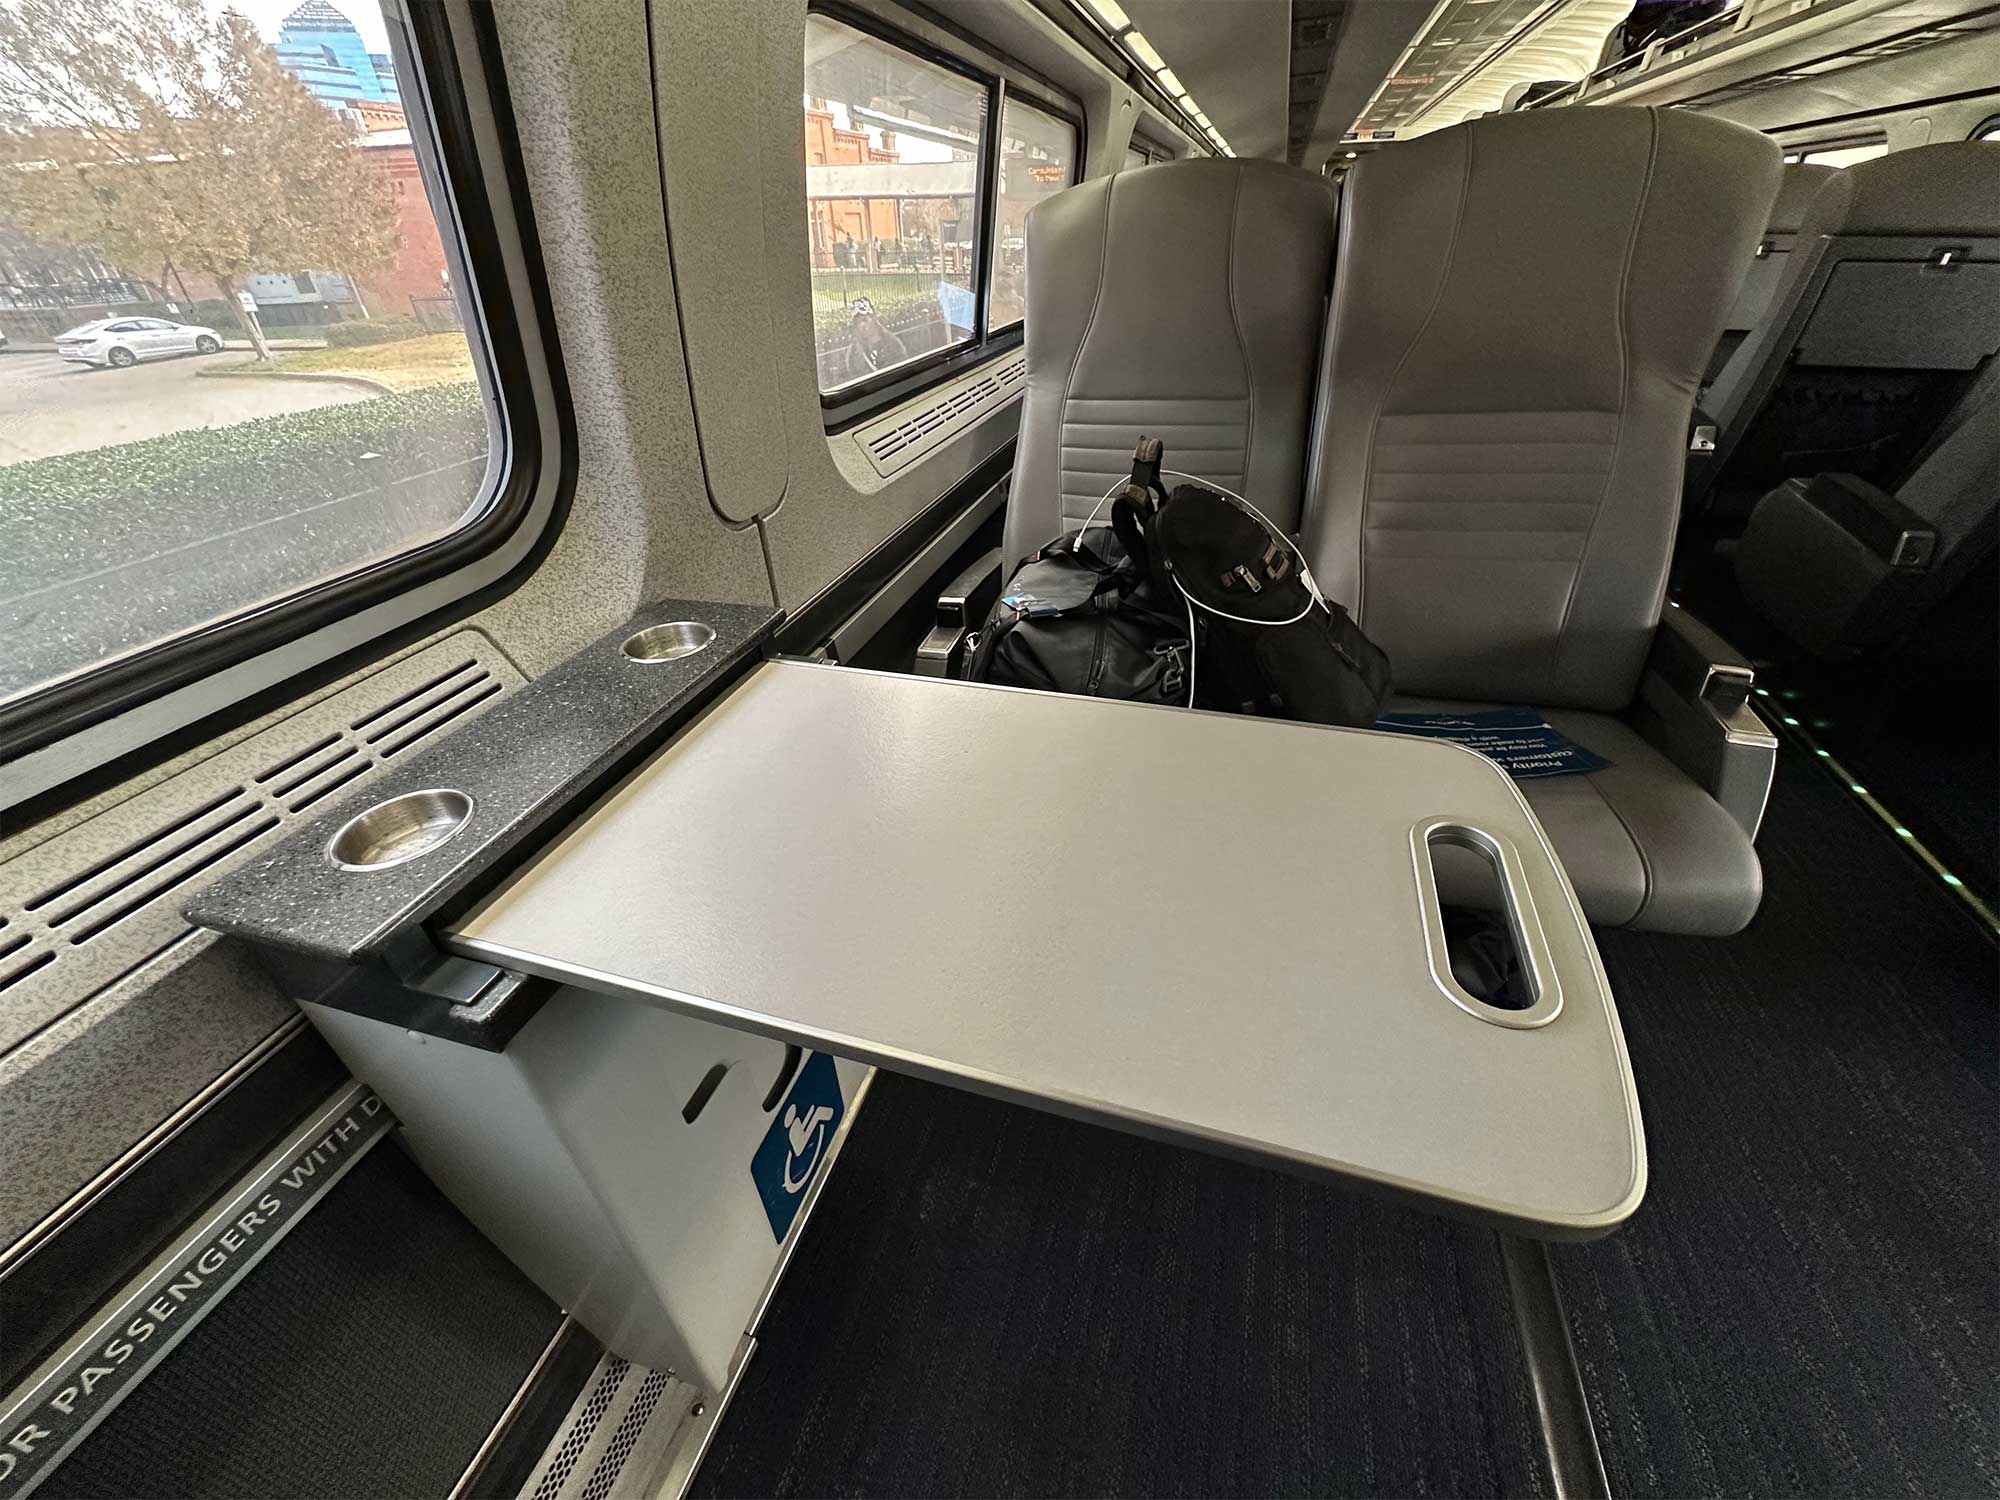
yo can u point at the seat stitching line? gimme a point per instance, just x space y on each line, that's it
1638 849
1389 386
1242 345
1561 642
1090 323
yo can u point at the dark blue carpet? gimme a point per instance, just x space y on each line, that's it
990 1301
1808 1302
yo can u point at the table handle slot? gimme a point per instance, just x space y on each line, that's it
1524 924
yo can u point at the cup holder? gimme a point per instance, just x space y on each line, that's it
668 642
397 831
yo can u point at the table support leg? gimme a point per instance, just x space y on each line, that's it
1561 1408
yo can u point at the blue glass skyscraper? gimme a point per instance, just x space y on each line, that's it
322 48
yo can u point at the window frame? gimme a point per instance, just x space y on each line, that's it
856 403
1075 122
469 157
1987 129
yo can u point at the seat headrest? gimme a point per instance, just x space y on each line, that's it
1949 188
1797 188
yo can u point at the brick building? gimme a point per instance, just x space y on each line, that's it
418 273
854 222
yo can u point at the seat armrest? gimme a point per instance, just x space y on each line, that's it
1828 560
1694 705
1876 519
961 608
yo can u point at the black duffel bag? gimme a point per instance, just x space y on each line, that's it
1081 616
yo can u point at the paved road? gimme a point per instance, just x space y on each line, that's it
48 406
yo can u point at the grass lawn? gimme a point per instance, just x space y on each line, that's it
406 365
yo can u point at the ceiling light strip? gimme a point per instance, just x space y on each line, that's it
1110 17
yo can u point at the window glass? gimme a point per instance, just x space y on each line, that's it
140 498
1847 156
1037 158
893 145
1134 158
1990 131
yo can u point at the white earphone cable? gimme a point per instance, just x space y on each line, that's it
1313 595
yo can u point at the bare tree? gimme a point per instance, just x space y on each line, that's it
156 131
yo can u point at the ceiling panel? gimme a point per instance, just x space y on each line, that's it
1234 56
1372 35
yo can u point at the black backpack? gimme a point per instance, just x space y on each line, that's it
1266 640
1110 612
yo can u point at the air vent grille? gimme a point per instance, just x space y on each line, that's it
610 1376
611 1467
616 1442
905 436
107 894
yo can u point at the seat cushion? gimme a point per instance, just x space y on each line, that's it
1643 845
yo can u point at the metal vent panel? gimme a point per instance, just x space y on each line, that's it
616 1441
900 439
82 908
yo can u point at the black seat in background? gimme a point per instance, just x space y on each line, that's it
1858 448
1883 317
1798 184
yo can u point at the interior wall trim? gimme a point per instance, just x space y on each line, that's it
519 1439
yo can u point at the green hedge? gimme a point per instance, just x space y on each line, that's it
220 314
203 481
360 331
832 320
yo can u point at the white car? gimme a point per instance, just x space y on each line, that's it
123 342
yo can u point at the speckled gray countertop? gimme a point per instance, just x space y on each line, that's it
522 763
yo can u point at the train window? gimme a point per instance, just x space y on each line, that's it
1988 131
202 443
1037 157
893 144
1845 153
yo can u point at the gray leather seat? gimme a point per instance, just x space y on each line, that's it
1184 300
1523 308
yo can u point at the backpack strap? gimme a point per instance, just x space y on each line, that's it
1135 509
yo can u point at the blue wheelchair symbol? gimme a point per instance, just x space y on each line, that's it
790 1154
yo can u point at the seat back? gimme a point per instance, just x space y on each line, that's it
1186 301
1797 185
1882 319
1523 309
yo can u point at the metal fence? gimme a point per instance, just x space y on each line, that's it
437 314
